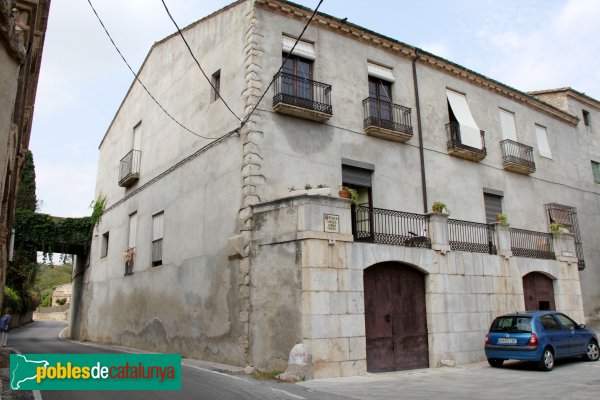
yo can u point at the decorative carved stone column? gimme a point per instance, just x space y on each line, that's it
438 232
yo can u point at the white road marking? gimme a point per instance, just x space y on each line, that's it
289 394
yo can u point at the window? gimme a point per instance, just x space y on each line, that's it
137 136
596 171
104 245
380 92
549 323
460 114
586 118
157 238
507 123
493 205
566 321
130 251
542 141
299 73
216 86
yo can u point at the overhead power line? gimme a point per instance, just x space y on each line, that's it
282 64
216 91
140 82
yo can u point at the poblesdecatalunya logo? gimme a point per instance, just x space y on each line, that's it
95 371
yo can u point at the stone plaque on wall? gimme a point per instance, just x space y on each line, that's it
332 223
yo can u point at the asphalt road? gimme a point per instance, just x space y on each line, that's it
198 381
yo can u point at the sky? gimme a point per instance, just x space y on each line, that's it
529 45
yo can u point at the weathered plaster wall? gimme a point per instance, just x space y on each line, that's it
190 304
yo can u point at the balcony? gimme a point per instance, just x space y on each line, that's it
517 157
531 244
456 147
387 120
377 225
129 168
302 97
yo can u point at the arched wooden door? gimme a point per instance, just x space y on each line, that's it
395 318
539 292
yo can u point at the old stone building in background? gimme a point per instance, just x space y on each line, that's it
22 30
234 245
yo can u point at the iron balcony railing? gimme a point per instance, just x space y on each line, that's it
515 153
455 141
302 92
129 168
531 244
472 236
387 115
157 252
377 225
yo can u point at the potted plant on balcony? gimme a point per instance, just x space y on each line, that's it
439 207
557 229
128 255
344 192
502 219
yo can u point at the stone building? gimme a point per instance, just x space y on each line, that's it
22 30
235 246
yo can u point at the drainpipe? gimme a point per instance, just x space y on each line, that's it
421 155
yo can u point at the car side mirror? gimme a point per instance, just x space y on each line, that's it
581 326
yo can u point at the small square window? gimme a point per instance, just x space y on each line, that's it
104 245
596 171
586 118
216 86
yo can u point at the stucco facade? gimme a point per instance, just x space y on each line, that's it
246 271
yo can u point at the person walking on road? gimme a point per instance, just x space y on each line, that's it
4 325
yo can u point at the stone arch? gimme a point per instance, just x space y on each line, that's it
395 317
538 290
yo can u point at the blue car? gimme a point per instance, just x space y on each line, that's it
538 336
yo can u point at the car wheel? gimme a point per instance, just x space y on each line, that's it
495 362
547 361
593 353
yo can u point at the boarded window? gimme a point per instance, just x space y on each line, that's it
493 207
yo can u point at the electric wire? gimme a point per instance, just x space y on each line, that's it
282 64
197 62
140 82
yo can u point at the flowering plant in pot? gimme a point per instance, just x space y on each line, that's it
439 207
502 219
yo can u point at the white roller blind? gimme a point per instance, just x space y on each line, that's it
380 72
132 230
302 49
157 226
469 131
507 122
542 140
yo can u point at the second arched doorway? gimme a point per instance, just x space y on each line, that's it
395 318
538 290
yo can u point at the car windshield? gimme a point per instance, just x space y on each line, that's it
511 324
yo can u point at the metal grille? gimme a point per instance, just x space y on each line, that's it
157 252
472 236
517 153
377 225
568 217
129 165
387 115
455 141
531 244
302 92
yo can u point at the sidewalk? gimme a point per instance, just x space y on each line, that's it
5 392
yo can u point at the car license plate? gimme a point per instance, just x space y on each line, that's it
507 341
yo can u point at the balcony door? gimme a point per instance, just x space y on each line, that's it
381 93
359 179
298 82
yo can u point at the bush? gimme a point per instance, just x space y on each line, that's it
46 298
61 302
12 300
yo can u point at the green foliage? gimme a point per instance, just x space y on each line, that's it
50 276
26 198
46 298
12 299
438 207
98 207
61 302
266 375
354 197
502 219
556 229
